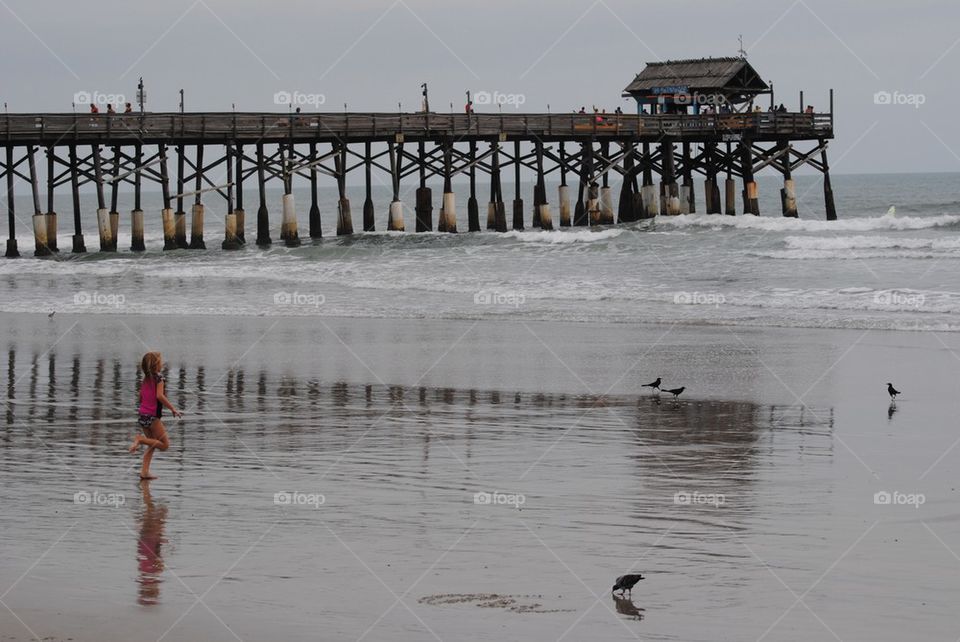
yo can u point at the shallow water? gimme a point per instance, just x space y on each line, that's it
732 505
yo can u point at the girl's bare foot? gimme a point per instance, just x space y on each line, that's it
135 446
147 476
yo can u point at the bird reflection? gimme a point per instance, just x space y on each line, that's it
149 558
892 410
625 606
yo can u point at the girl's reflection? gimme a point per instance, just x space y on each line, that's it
149 556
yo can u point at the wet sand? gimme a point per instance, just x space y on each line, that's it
378 479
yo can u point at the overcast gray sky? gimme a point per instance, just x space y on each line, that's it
372 54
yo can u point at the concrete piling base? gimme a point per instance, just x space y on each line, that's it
40 235
751 202
448 215
546 222
288 222
395 217
491 215
241 221
106 231
606 206
196 227
52 231
344 220
730 197
180 229
114 229
78 245
169 229
649 195
136 231
230 240
684 199
563 195
789 196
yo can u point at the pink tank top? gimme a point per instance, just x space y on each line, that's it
148 396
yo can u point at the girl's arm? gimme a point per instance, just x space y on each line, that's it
162 398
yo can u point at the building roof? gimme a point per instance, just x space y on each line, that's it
725 75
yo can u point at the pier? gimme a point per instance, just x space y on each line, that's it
231 155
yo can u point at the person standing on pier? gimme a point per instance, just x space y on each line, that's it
152 402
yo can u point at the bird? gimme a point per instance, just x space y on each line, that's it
655 385
50 316
893 392
676 391
626 582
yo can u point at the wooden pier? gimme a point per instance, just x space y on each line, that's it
183 152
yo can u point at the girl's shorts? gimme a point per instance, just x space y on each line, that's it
145 421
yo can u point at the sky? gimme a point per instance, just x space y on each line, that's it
892 64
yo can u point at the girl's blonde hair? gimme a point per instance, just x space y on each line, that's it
150 364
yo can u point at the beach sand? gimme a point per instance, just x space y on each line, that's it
478 480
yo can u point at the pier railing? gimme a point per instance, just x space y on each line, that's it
279 127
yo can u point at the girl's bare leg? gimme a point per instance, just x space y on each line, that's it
162 444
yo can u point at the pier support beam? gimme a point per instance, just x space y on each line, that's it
424 196
831 209
626 211
448 209
78 245
180 217
580 216
289 231
473 208
688 201
39 220
238 210
114 189
563 191
669 192
711 191
751 202
51 212
197 211
166 213
369 222
788 195
517 198
542 217
230 240
136 214
263 215
496 212
315 223
648 191
104 226
395 216
12 250
344 219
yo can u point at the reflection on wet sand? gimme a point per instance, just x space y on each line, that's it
625 606
153 519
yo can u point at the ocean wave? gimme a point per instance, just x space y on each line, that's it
869 243
562 237
783 224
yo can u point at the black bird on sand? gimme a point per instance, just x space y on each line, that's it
626 582
655 385
676 391
893 392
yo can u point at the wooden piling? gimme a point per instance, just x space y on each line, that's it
648 191
688 203
424 196
344 219
369 224
180 217
579 209
197 212
517 198
289 231
543 218
628 188
78 245
473 208
166 214
669 191
103 215
395 216
788 194
12 250
51 212
238 211
114 194
606 215
563 191
831 209
39 220
136 215
315 224
448 211
230 241
751 202
263 215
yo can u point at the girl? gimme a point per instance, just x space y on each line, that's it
152 402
